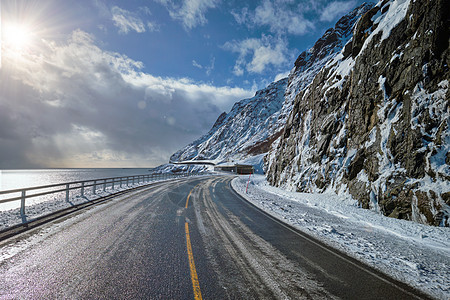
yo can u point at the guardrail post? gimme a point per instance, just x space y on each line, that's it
67 192
22 203
94 187
121 182
113 183
128 181
104 185
82 189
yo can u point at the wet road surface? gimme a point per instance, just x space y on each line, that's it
184 239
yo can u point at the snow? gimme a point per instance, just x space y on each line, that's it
341 68
408 251
389 113
387 21
362 176
372 138
382 82
249 123
395 56
435 104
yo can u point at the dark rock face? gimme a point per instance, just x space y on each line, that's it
375 121
332 40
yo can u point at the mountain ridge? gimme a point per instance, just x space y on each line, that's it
364 113
266 125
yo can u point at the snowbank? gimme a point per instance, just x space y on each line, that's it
410 252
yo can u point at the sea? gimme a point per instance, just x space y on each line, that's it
17 179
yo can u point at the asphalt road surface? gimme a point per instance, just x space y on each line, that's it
185 239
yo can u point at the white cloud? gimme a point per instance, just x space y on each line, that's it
255 55
126 20
282 75
191 13
282 17
208 68
336 9
288 17
76 105
242 16
152 26
196 64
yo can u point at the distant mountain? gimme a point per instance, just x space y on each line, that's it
238 133
252 125
375 121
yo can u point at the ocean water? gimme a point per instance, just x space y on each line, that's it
16 179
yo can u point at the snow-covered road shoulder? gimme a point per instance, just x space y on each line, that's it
410 252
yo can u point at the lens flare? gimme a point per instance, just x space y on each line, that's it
17 36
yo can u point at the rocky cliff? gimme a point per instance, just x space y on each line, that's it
375 121
252 125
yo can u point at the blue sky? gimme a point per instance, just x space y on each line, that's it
127 83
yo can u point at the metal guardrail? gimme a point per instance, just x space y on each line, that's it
104 184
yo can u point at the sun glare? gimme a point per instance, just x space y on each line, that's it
17 36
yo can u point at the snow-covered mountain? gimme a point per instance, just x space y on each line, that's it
364 113
235 135
375 121
252 125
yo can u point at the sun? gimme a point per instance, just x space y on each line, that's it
17 36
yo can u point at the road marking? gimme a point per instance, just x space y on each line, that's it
189 196
194 278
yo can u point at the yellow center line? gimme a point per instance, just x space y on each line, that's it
189 196
194 278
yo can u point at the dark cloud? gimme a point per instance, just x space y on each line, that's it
76 105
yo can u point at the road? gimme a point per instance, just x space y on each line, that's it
185 239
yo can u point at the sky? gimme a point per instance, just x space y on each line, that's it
96 83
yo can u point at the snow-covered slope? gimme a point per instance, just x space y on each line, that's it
252 125
310 62
375 121
234 134
410 252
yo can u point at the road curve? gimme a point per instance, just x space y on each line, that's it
184 239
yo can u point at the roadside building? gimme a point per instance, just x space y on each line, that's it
236 169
